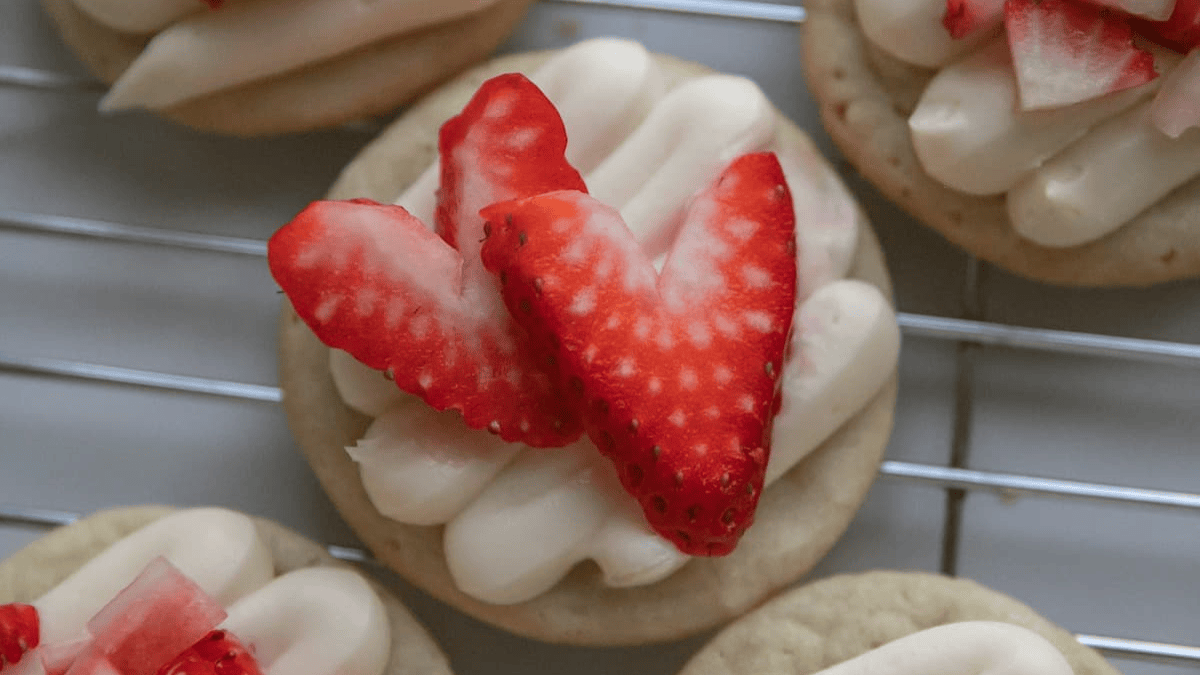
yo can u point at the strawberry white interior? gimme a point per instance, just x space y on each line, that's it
965 648
196 50
518 519
1071 174
312 621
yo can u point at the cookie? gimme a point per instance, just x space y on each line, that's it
368 81
41 565
798 520
835 619
865 98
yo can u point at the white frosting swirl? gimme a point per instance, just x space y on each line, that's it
312 621
965 648
196 51
518 519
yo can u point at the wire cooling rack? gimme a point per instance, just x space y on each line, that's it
968 335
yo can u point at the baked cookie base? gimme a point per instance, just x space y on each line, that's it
835 619
369 81
865 97
41 565
798 520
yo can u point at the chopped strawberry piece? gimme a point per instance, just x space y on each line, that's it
150 622
214 4
1181 31
218 653
1066 51
374 281
58 657
676 375
93 662
19 631
964 17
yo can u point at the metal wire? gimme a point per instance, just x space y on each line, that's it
1142 650
914 325
731 9
1160 652
35 365
33 78
1042 339
1013 485
102 229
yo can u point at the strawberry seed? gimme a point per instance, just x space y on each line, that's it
636 475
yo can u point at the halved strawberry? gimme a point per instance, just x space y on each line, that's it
19 631
964 17
676 374
148 623
1067 51
373 280
1149 9
218 653
1180 31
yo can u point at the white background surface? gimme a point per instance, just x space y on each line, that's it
75 446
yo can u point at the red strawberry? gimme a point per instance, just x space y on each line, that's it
218 653
964 17
58 657
148 623
1067 51
1181 30
374 281
675 374
19 631
1150 9
214 4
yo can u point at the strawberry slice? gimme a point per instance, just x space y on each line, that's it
1180 31
373 280
20 631
218 653
676 375
1066 51
963 17
58 657
148 623
1150 9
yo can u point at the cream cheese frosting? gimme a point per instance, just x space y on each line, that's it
139 16
964 648
196 51
912 31
518 519
1070 174
313 621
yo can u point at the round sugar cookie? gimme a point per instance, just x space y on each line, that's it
41 565
370 80
835 619
865 98
799 517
